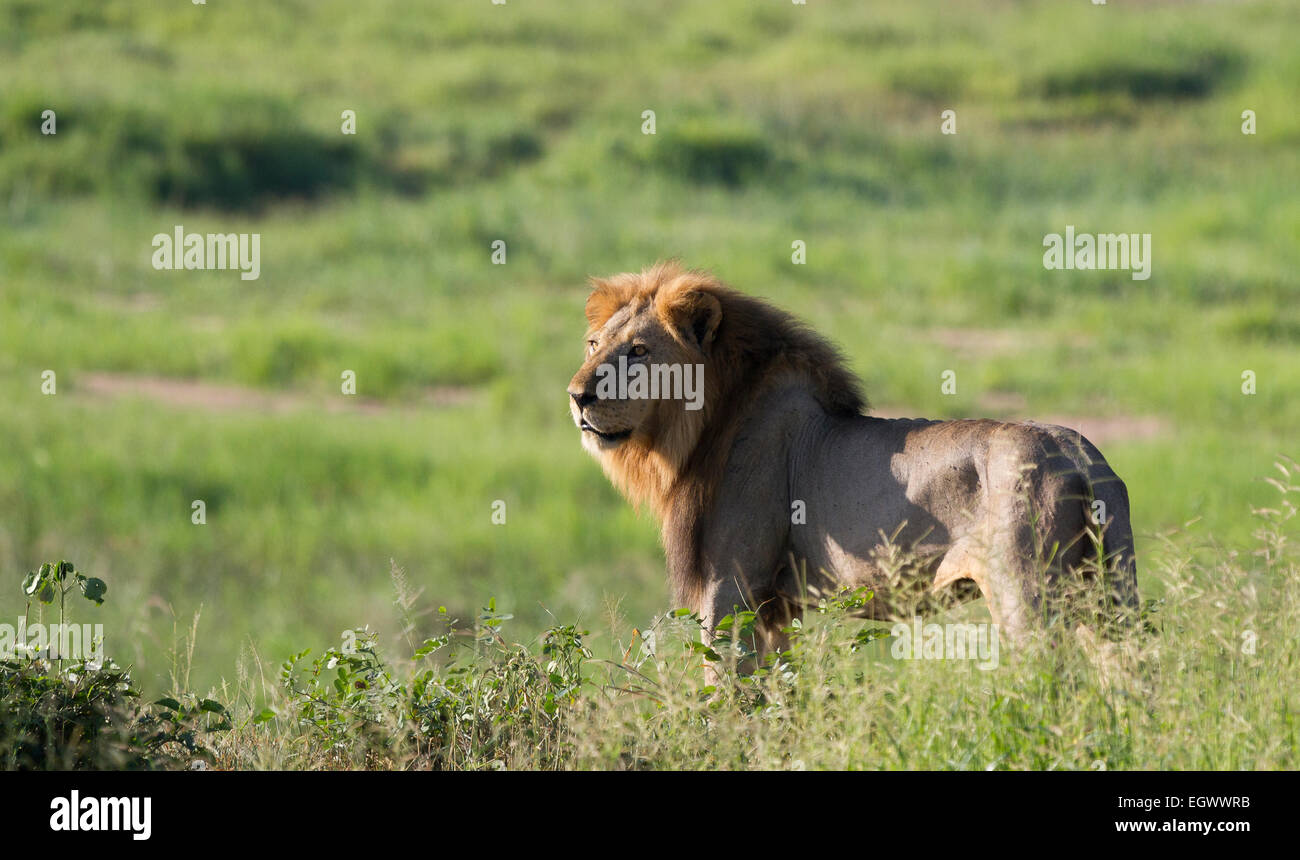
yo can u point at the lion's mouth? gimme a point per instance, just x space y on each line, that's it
586 427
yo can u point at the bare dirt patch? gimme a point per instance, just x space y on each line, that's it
990 342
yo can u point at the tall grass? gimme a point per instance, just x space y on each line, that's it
1204 684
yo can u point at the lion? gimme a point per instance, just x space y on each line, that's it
776 488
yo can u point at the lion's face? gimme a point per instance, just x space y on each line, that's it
633 336
655 334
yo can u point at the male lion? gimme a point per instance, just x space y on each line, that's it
780 487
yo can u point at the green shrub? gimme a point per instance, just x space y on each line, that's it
233 152
712 152
82 714
1167 74
465 714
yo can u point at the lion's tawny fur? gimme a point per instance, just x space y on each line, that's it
782 424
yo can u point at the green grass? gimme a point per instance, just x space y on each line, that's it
1196 689
522 122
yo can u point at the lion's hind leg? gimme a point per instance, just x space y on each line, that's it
1117 559
1035 522
1109 562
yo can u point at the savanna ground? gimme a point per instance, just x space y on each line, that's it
775 123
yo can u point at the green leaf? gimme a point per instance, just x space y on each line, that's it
31 582
265 715
709 653
429 646
212 707
168 702
94 588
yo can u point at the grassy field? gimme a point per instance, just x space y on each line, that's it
775 123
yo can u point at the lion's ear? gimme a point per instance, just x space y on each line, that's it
696 314
604 302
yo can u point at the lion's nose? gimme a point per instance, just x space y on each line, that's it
582 397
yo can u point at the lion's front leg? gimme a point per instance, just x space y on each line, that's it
721 599
773 614
741 556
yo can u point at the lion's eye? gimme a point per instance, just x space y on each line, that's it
591 347
638 351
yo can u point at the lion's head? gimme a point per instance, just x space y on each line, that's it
712 349
660 330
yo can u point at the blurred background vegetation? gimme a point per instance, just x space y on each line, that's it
522 122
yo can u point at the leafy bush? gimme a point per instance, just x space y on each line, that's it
473 713
711 152
80 717
235 152
1173 73
85 714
